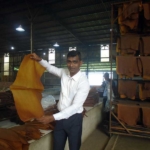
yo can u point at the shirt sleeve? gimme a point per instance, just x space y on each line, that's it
50 68
77 103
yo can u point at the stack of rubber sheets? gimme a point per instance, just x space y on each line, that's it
17 138
92 98
6 100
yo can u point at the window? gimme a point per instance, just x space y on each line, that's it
104 53
96 78
6 64
72 48
51 56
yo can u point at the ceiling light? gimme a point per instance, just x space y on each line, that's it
56 44
12 47
44 53
20 29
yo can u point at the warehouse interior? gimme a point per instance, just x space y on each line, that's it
52 28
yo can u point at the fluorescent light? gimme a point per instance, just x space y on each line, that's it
56 44
20 29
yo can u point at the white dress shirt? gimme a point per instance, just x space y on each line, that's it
74 91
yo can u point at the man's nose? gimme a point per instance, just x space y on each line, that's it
71 64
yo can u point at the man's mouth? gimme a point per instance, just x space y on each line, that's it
71 69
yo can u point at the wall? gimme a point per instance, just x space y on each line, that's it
90 55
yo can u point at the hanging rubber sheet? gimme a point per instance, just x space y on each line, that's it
27 89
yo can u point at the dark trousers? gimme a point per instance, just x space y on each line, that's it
104 101
71 128
105 115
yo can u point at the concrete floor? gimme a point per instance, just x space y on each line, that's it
98 140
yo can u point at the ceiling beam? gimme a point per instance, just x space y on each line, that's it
65 27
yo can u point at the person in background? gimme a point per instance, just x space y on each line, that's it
106 94
74 91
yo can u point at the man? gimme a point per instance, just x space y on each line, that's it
105 86
106 94
74 91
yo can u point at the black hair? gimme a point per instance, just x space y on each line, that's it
74 53
106 75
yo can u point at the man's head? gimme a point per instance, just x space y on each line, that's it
74 62
106 76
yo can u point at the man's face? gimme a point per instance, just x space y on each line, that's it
73 64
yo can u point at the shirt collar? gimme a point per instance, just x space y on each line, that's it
76 76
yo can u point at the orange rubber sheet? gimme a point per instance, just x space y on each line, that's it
16 138
27 89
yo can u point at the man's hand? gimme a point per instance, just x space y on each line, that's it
46 119
35 57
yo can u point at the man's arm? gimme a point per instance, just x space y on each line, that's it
46 119
51 69
77 103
